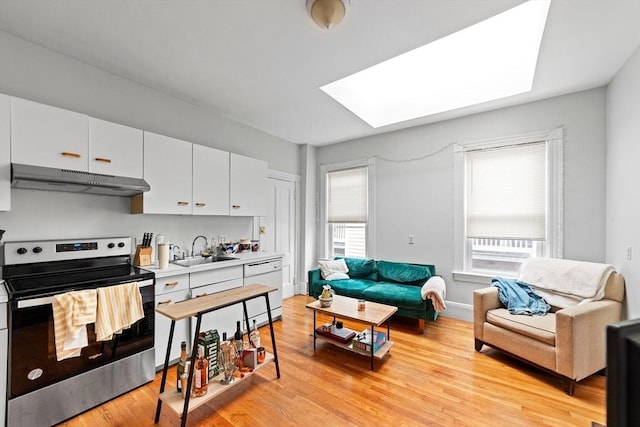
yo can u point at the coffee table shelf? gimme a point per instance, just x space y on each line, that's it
374 314
379 354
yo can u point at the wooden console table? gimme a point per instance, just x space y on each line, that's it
197 307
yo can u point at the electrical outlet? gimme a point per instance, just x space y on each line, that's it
629 251
411 239
262 229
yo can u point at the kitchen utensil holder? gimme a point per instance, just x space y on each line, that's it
142 256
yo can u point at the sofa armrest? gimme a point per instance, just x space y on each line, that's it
581 337
313 276
484 299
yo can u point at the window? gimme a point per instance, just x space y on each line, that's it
346 209
511 203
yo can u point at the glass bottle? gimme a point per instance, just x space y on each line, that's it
254 337
201 374
181 363
237 336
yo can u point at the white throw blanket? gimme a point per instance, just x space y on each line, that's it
435 289
565 283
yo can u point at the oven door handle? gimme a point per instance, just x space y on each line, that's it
37 302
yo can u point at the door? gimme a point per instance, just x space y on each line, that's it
280 227
114 149
210 181
168 170
248 181
42 135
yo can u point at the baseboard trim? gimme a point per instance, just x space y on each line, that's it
457 310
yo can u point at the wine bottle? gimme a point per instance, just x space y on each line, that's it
237 336
254 336
201 373
181 363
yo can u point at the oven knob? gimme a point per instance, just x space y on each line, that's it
22 251
37 250
111 245
121 245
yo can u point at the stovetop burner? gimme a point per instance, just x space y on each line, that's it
52 267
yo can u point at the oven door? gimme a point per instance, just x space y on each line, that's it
33 363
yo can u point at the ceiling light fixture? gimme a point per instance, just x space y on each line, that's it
327 13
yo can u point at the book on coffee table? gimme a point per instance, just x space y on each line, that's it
329 330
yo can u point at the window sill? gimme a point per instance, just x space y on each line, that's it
472 277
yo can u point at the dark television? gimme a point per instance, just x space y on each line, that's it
623 374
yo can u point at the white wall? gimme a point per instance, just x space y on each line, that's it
416 197
32 72
38 74
623 179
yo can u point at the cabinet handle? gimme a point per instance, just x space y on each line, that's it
171 284
168 301
236 206
200 205
103 159
71 154
182 203
204 294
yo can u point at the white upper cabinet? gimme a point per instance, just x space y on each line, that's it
42 135
167 169
5 152
248 186
114 149
210 181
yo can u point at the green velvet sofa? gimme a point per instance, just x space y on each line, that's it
393 283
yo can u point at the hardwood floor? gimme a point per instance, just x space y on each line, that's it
435 379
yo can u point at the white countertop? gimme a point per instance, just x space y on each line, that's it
241 259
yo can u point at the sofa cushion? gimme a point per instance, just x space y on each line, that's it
541 328
360 268
350 287
399 272
395 294
328 267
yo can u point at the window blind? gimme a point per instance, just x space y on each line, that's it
347 196
506 192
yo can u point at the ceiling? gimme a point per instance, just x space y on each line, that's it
261 62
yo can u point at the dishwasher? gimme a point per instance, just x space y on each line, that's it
266 272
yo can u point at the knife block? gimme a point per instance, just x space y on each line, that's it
142 256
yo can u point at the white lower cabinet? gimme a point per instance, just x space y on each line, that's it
210 282
163 325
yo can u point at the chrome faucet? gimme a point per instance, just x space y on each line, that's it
194 244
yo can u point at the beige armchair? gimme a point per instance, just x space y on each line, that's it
569 342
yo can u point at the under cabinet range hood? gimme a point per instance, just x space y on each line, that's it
52 179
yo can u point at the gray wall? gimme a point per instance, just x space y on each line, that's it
32 72
623 178
416 197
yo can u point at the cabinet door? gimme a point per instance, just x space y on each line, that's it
114 149
5 152
42 135
167 169
248 183
163 325
210 181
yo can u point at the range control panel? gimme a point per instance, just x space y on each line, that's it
59 250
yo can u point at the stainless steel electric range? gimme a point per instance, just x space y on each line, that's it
42 390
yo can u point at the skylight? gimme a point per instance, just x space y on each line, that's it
490 60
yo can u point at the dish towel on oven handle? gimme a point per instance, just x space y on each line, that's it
72 312
119 307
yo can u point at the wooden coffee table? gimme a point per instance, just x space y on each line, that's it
374 314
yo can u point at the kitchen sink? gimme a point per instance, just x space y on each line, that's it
190 262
